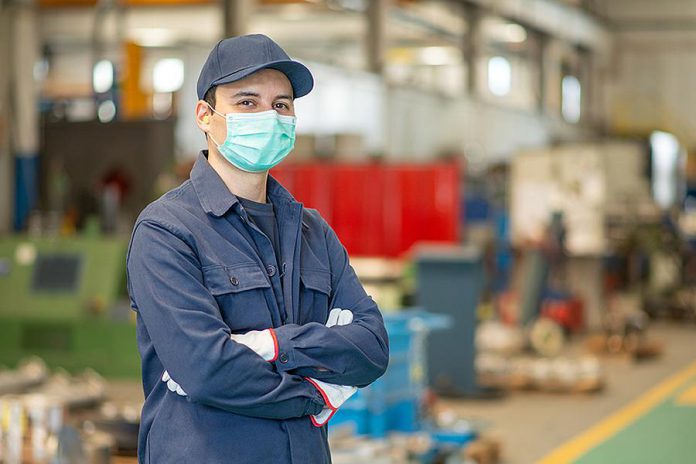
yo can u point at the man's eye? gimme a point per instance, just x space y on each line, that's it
246 103
282 106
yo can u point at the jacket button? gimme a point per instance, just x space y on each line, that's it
234 281
271 269
283 358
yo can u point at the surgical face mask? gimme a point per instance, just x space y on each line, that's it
256 142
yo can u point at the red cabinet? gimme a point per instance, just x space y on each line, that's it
380 209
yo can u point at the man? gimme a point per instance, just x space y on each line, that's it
252 326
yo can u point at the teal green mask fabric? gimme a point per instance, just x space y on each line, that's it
256 142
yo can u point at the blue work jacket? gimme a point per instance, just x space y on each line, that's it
196 274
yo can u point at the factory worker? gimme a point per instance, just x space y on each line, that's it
252 326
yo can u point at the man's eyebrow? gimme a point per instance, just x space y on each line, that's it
248 93
245 93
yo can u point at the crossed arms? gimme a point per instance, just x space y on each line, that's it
196 347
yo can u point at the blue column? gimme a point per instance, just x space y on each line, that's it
25 112
26 187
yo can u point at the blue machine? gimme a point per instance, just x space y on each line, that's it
392 403
451 280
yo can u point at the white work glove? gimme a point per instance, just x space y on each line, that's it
172 385
334 395
262 342
339 316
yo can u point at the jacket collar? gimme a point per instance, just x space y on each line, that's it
215 197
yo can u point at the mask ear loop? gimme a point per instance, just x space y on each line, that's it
211 138
209 134
214 111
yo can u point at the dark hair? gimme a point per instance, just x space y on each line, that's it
209 96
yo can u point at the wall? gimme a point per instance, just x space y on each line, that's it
651 84
421 125
401 123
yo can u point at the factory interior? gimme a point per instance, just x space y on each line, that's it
514 182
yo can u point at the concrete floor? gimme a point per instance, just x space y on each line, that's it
530 424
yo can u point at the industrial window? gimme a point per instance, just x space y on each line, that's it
499 76
571 99
508 64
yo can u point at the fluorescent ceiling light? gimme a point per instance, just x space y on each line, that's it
498 30
514 33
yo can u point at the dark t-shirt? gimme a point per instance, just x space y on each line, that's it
263 215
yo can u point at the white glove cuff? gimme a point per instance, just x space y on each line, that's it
319 420
270 346
334 396
262 342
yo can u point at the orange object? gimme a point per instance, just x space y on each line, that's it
135 103
92 3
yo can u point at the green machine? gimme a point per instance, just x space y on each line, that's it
64 300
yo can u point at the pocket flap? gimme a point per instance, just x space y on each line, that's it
316 280
224 279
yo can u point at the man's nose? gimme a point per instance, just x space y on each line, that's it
266 106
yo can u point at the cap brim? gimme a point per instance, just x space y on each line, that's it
298 74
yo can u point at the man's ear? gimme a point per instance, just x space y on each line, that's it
203 116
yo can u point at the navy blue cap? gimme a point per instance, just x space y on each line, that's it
235 58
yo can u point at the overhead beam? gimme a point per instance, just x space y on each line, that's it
556 19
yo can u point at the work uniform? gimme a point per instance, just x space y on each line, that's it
199 270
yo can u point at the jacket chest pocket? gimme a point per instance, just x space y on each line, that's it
315 294
240 292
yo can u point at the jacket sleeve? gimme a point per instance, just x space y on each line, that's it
191 339
355 354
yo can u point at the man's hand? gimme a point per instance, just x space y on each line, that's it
339 316
334 395
172 385
262 342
